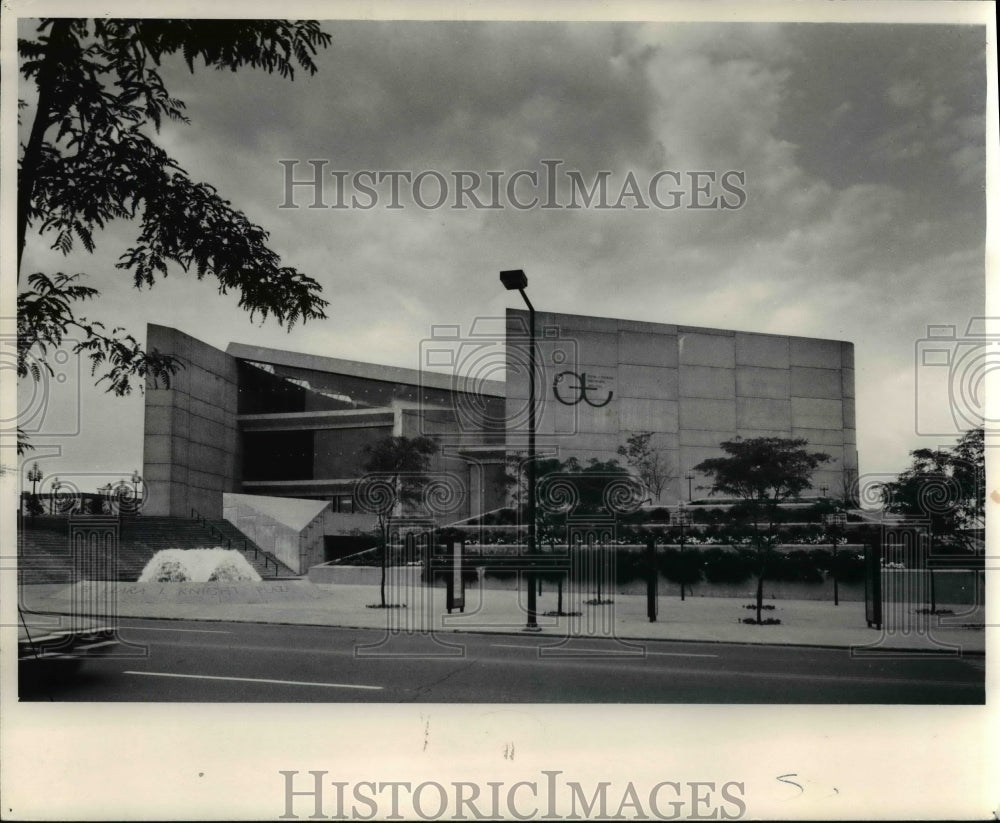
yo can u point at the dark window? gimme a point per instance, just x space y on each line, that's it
283 455
264 393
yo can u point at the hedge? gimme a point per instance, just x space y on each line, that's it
714 564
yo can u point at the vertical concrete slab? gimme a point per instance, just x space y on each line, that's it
191 437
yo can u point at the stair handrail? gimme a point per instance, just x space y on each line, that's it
196 515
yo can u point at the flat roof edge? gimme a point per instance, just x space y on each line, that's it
679 327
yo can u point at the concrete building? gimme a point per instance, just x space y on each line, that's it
274 423
252 422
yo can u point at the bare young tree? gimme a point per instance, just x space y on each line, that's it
650 464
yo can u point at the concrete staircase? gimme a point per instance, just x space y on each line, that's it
44 553
267 565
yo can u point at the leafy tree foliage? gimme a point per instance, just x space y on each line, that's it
569 488
649 463
395 475
763 472
91 157
35 507
945 488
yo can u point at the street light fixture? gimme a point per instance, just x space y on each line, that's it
34 477
517 280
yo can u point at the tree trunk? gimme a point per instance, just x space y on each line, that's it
760 593
46 79
836 591
385 564
598 571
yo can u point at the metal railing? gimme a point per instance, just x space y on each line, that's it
257 552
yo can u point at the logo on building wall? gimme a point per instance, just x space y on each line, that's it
564 385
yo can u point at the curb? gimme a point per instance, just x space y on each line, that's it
958 654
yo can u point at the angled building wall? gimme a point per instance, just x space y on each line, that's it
191 444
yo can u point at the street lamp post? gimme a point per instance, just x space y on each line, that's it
517 280
683 519
136 480
836 523
107 490
56 485
689 477
34 477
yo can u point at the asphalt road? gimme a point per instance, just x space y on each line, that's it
246 662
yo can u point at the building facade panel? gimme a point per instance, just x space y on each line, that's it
825 384
597 348
764 350
646 349
810 413
763 413
704 437
761 382
707 415
645 414
820 437
847 355
700 348
808 351
746 434
651 382
709 382
847 383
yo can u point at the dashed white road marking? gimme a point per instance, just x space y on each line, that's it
259 680
602 652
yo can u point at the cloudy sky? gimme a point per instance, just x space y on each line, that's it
862 148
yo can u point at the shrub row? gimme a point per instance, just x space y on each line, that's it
714 564
702 513
626 533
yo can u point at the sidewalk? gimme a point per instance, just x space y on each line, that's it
706 619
